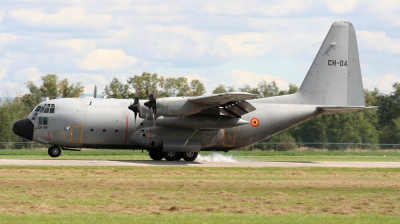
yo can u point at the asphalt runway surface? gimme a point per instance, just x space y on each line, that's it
52 162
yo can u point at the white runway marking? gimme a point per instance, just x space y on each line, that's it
50 162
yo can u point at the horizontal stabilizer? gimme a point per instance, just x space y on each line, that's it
340 109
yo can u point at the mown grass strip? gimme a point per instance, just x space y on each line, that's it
200 218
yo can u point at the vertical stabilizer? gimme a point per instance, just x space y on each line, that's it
334 77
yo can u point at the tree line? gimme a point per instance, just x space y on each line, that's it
381 125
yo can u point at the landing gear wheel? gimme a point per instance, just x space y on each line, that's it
189 156
54 151
172 156
156 155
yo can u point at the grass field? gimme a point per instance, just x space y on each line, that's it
198 195
320 155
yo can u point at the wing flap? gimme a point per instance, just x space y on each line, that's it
223 98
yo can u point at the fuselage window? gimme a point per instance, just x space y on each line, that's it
38 108
35 114
45 121
33 118
52 110
46 110
40 121
41 109
53 105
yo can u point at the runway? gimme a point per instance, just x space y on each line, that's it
57 162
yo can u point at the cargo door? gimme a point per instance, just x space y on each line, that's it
229 137
76 135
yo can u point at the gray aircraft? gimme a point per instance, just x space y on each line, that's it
180 127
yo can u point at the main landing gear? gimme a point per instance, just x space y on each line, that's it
173 156
54 151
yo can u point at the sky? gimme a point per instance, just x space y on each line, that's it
217 42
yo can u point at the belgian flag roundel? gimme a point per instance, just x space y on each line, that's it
254 122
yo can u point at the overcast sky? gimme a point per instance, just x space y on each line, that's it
217 42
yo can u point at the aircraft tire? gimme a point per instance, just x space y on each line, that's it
189 156
156 155
54 151
172 156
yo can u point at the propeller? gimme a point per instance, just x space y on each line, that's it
135 107
151 104
106 92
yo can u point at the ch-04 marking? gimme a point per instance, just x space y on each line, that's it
337 63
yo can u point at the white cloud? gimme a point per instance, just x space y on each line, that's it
73 45
250 45
10 89
5 38
393 19
2 14
72 17
264 8
99 79
172 42
378 41
380 7
342 6
107 59
31 74
383 83
3 73
191 77
250 78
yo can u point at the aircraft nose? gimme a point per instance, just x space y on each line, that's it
23 128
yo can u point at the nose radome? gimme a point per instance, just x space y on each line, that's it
23 128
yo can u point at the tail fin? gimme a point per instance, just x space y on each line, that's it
334 77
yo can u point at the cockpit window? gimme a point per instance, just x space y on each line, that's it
47 108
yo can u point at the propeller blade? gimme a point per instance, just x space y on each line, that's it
136 92
149 89
135 107
95 91
156 93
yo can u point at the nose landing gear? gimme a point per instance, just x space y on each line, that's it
54 151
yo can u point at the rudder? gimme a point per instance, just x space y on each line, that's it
334 77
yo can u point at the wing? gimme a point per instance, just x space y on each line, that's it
223 98
228 104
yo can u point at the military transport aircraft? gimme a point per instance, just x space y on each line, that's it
179 127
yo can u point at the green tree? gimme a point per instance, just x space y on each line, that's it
141 82
248 89
11 111
197 87
268 89
51 89
389 106
118 90
70 90
35 96
168 86
223 89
